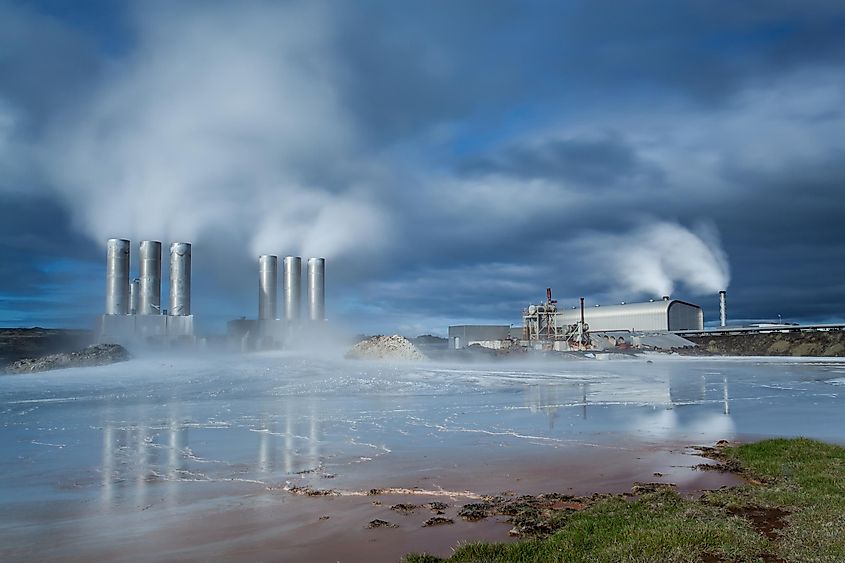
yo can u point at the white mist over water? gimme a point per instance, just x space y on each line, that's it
655 258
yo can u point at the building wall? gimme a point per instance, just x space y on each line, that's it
651 316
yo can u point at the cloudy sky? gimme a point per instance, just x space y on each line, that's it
450 159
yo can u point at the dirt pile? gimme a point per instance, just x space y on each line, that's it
99 355
386 348
830 343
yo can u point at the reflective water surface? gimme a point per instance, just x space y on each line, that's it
185 458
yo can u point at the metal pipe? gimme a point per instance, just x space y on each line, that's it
117 276
582 311
268 281
180 279
149 272
723 308
134 291
317 289
292 287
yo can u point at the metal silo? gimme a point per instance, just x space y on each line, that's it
117 276
293 287
149 300
180 279
317 289
267 284
134 291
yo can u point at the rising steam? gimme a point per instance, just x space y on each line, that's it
225 122
655 258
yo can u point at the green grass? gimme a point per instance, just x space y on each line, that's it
803 477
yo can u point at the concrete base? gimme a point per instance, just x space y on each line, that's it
144 329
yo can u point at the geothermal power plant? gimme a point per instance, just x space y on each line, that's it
134 313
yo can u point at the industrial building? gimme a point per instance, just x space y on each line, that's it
489 336
667 315
133 310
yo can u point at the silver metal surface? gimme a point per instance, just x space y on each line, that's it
293 287
317 289
268 282
149 272
117 276
723 308
180 279
134 291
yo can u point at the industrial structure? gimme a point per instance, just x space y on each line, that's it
133 311
275 329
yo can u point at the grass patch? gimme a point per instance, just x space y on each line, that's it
793 509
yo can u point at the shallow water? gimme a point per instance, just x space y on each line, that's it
109 462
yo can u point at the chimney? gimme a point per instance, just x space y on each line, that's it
149 272
292 287
117 276
317 289
180 279
723 308
267 283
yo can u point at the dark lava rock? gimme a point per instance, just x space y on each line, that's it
404 508
98 355
437 521
475 511
436 506
381 524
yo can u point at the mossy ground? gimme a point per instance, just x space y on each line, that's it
792 509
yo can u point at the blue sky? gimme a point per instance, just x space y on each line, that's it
450 159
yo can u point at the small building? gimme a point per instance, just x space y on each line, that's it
488 336
665 315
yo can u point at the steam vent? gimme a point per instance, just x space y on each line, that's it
134 312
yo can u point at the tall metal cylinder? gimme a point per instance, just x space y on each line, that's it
317 289
117 276
293 287
149 272
268 281
723 308
134 291
180 279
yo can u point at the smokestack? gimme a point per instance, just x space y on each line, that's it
149 299
117 276
317 289
268 281
582 311
293 287
180 279
723 308
134 291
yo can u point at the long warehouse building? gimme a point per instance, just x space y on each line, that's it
663 315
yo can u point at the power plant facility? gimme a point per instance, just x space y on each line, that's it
133 309
548 326
134 313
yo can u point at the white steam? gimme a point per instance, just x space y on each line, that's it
224 122
655 258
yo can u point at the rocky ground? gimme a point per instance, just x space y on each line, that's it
830 343
386 348
99 355
19 343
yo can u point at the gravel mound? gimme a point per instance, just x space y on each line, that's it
386 348
99 355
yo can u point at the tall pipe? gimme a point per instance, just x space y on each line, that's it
268 281
317 289
149 300
293 287
582 311
134 291
180 279
117 276
723 308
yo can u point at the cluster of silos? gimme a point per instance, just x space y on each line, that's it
133 308
291 288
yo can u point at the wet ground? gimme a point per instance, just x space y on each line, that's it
186 459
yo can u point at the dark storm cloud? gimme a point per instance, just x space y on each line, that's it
457 157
